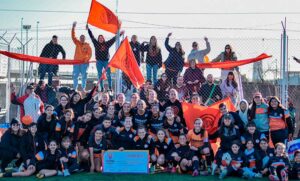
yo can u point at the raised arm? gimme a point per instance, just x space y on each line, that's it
91 35
75 40
168 47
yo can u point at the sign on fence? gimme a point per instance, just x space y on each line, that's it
125 162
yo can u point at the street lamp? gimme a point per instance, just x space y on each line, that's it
26 28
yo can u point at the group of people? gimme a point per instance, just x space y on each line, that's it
174 64
72 136
64 131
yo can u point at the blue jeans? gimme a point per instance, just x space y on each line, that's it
152 71
100 66
80 69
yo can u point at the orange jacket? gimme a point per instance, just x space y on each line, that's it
83 51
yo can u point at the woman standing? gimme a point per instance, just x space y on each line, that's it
281 126
162 88
259 114
153 58
175 61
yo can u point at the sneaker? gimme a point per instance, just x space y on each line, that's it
59 173
40 176
152 169
173 170
223 174
204 173
273 178
284 176
258 175
213 168
195 173
66 173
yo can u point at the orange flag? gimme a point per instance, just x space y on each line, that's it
227 101
210 116
124 59
101 17
231 64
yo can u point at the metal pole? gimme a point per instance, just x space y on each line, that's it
118 75
37 38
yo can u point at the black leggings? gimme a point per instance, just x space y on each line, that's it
6 157
279 136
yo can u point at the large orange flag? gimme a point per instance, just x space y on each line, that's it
101 17
124 59
210 116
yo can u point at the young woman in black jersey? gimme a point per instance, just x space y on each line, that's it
163 145
172 126
141 116
97 144
65 126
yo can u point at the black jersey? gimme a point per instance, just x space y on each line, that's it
98 147
124 138
155 123
144 144
141 120
165 146
252 159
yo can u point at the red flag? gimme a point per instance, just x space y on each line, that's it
42 60
210 116
124 59
101 17
231 64
227 101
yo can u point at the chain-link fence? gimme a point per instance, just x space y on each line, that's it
262 76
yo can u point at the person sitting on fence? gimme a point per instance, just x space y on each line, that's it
199 54
83 52
210 91
227 55
51 50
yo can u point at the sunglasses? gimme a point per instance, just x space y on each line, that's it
227 48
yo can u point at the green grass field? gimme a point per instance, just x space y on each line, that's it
112 177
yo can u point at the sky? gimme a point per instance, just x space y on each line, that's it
222 21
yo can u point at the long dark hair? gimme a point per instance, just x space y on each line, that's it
234 83
280 109
228 56
153 49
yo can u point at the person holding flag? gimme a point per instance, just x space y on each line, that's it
102 54
83 52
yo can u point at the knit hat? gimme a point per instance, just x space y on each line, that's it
14 121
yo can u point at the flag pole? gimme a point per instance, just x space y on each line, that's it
118 84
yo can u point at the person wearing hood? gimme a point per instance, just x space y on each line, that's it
83 52
227 55
102 54
199 54
244 112
51 50
175 61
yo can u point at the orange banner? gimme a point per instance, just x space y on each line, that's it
230 64
29 58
